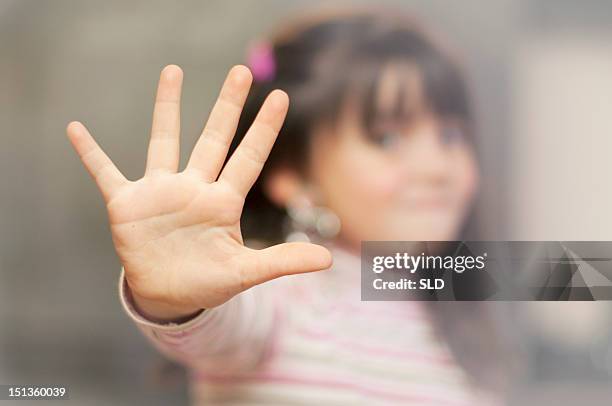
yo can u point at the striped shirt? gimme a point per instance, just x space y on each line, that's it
308 339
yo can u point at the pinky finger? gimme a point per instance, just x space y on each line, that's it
106 175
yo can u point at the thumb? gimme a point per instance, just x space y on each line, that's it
287 259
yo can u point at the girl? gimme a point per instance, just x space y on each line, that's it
377 145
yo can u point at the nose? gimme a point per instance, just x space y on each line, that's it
422 156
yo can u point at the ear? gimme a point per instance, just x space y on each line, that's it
282 185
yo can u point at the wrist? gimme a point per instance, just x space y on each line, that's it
161 312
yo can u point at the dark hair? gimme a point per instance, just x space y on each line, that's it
320 62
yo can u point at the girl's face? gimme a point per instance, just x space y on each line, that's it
411 181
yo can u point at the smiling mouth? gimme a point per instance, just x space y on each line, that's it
427 203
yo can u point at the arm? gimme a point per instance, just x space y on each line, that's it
233 336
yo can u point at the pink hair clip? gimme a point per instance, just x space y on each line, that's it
260 60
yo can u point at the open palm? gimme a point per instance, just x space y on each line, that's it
177 234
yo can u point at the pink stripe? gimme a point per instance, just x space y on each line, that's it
337 384
377 351
377 310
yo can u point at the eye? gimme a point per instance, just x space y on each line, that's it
387 139
452 133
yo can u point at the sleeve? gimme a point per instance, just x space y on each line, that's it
233 336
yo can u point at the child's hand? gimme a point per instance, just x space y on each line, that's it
178 233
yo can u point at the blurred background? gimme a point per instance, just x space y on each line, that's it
541 76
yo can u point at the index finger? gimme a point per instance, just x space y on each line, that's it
246 163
